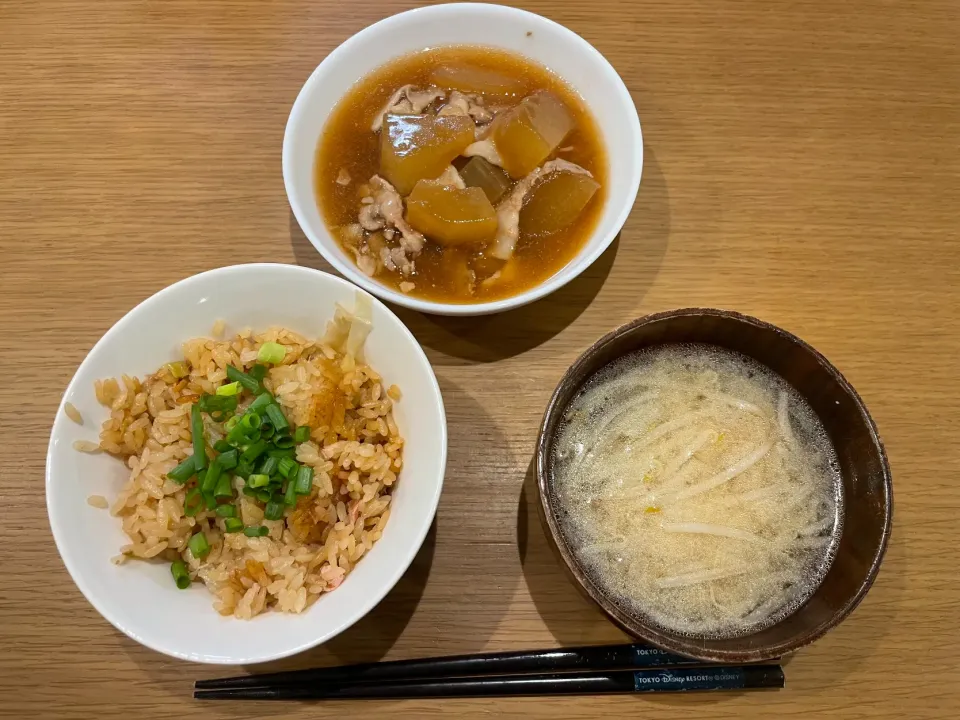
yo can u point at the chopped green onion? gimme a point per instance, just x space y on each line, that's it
247 490
229 459
272 353
251 421
198 545
231 423
178 369
243 469
212 477
237 435
273 511
193 502
248 382
260 402
266 430
301 434
199 446
286 466
258 481
222 446
269 466
224 487
277 418
290 494
264 495
226 511
256 531
232 524
229 389
183 472
180 575
304 481
209 499
246 429
214 403
258 371
284 442
254 451
282 452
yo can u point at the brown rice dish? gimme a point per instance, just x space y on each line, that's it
299 455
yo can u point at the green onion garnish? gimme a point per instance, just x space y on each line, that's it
229 389
182 472
284 441
266 430
222 446
269 466
250 421
264 495
180 575
232 524
215 403
243 469
226 511
258 372
231 423
285 466
193 502
304 481
209 499
211 478
272 353
198 545
254 451
199 447
245 429
255 530
224 487
247 490
276 416
248 382
281 453
258 480
290 495
301 434
228 459
273 511
260 402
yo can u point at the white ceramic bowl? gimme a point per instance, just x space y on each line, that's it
542 40
139 598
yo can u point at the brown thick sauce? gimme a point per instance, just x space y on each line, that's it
348 143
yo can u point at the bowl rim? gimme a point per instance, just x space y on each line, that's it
576 266
634 627
369 601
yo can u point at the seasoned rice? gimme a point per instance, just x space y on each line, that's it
71 411
355 450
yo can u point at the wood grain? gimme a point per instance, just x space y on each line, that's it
801 165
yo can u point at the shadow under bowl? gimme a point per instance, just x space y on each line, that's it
867 496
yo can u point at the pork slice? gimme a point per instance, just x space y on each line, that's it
508 211
485 149
407 100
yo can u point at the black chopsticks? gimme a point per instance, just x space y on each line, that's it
587 670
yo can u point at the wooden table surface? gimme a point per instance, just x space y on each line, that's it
801 166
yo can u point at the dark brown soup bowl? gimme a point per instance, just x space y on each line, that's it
867 500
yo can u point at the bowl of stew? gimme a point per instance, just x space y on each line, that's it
462 159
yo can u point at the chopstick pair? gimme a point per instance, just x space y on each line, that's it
631 668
